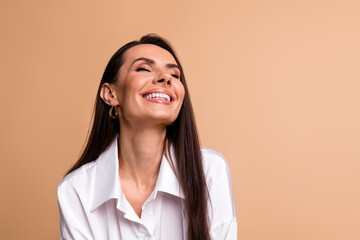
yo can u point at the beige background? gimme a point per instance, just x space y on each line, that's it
275 85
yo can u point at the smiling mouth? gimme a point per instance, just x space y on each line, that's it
160 96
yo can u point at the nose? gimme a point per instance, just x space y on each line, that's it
163 78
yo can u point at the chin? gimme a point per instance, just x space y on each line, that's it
163 119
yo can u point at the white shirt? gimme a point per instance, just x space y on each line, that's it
92 205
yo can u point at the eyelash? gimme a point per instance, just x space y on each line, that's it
144 69
175 76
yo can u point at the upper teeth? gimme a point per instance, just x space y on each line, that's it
158 95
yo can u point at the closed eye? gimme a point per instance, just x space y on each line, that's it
175 76
142 69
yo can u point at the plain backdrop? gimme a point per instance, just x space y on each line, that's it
275 87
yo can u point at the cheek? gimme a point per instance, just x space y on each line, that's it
127 89
181 92
120 93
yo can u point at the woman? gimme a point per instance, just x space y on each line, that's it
143 174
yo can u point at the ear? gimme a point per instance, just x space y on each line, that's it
107 93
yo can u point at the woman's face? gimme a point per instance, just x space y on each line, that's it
148 88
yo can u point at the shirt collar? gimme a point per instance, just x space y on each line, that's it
107 181
167 181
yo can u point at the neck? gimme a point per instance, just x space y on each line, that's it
140 152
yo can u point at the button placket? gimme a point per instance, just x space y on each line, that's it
147 217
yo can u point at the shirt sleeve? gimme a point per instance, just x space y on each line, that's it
73 219
222 213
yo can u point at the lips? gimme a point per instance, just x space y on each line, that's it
159 95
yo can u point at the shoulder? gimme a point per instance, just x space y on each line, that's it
218 181
215 166
211 153
78 175
77 183
74 195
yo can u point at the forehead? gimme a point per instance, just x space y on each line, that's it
148 51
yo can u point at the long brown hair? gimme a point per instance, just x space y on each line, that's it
182 134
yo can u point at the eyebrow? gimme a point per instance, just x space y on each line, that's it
151 61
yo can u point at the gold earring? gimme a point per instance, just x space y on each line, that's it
113 113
